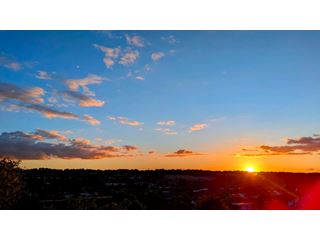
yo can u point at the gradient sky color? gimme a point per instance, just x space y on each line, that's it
218 100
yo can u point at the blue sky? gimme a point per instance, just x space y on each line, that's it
213 91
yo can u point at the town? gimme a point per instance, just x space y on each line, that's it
168 190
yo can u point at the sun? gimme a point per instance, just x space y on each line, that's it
250 169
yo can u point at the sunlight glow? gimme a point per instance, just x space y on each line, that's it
250 169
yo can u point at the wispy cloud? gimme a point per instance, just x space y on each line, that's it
140 78
183 153
34 146
198 127
135 40
166 123
9 63
49 112
91 120
156 56
166 131
171 39
125 121
43 75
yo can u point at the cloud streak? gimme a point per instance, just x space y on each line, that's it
183 153
91 120
166 123
125 121
198 127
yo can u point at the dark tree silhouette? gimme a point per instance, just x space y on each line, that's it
10 183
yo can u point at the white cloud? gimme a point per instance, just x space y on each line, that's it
166 131
171 39
166 123
140 78
157 56
125 121
43 75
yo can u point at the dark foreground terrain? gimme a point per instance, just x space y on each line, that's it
167 189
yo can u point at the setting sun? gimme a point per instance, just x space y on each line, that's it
250 169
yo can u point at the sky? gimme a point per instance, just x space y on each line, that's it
214 100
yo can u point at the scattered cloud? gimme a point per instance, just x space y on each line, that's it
129 57
140 78
49 112
91 120
84 100
135 40
157 56
171 39
125 121
300 146
35 147
43 75
76 84
110 54
166 123
198 127
9 63
183 153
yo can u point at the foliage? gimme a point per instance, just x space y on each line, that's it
10 183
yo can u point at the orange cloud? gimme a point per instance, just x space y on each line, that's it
198 127
84 101
91 120
75 84
51 134
110 54
30 95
